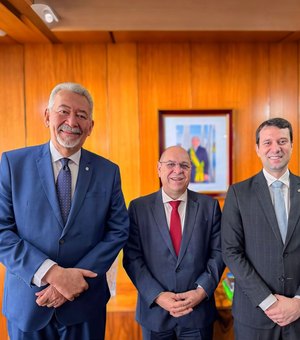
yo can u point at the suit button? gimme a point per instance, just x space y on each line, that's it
177 270
285 255
62 241
282 278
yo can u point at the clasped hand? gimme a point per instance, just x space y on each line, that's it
284 311
181 303
65 284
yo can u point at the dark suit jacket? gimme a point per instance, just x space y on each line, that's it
254 251
152 265
32 230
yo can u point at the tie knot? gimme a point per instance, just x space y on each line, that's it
277 184
64 163
175 204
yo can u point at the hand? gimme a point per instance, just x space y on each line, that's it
69 282
50 297
166 300
284 311
186 301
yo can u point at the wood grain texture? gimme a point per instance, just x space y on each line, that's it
164 83
47 65
123 123
12 111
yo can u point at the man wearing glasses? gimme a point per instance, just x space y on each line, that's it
173 255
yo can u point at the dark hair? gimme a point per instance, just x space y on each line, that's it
278 122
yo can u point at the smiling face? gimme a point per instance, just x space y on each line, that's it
174 170
274 149
70 122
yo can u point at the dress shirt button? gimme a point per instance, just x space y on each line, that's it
62 241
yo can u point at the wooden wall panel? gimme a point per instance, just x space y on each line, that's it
12 118
123 122
225 76
284 85
47 65
164 83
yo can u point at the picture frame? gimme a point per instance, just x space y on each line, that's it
210 134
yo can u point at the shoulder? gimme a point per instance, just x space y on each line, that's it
97 159
145 200
25 153
199 197
249 182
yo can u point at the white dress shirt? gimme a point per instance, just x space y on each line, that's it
181 208
285 179
74 168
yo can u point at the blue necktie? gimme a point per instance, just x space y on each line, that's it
63 188
279 207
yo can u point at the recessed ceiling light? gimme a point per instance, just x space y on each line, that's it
2 33
45 13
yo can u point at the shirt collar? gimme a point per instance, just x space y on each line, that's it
56 156
285 178
167 198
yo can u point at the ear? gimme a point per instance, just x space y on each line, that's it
46 117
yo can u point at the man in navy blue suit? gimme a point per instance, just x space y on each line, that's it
55 286
175 280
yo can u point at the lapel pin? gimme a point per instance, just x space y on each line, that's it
87 169
298 190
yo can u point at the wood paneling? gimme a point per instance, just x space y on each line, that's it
164 83
123 127
12 110
85 64
17 29
284 87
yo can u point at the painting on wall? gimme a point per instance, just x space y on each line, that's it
206 135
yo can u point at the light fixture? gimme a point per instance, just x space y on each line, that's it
45 13
2 33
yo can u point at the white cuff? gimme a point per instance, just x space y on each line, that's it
264 305
41 272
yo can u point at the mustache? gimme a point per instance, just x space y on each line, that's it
67 128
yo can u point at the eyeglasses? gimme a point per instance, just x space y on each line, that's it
171 165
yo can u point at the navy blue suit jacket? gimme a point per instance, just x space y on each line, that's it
32 230
152 265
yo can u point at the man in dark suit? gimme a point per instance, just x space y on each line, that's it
175 276
57 250
261 241
200 162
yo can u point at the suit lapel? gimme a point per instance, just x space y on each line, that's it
45 171
294 213
83 181
159 216
264 198
189 223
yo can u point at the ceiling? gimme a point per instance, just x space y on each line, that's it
152 21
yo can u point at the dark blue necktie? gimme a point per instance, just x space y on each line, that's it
63 188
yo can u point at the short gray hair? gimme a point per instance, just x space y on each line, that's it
73 87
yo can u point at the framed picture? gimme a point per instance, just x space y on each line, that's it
206 135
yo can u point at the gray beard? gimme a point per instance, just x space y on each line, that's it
68 144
